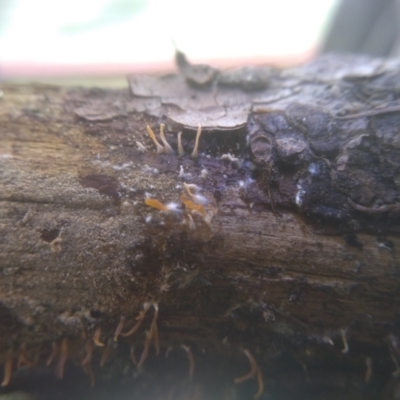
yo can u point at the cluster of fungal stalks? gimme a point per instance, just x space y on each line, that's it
193 202
152 334
61 350
165 147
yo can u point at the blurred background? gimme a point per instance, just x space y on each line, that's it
82 41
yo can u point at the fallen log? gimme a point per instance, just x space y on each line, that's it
277 239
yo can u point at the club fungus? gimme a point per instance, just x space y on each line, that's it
141 147
119 328
106 353
63 359
198 198
88 370
181 152
160 206
96 337
168 148
154 329
153 333
253 368
132 354
86 362
192 206
190 358
89 353
254 371
160 148
343 334
195 152
260 381
22 359
7 370
140 318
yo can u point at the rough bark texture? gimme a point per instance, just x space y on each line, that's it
296 246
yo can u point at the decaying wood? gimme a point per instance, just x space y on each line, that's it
291 251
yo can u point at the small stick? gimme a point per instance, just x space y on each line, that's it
160 149
7 370
372 112
195 152
375 210
96 337
119 328
168 148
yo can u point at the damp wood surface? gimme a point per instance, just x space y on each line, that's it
292 251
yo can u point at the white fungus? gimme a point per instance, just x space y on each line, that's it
203 173
141 147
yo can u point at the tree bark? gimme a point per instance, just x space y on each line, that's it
288 250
